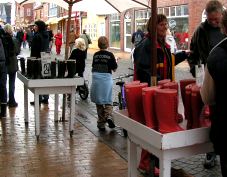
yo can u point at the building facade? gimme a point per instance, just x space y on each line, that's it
183 16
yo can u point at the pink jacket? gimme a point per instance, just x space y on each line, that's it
58 39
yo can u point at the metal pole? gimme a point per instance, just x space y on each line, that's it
66 53
153 46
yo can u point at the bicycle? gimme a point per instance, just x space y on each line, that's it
121 95
83 90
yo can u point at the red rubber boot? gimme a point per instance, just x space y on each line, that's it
183 84
134 101
174 85
151 122
205 116
162 82
148 106
197 106
166 110
187 106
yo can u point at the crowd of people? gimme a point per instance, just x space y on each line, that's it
208 46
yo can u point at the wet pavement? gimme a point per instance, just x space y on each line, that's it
88 152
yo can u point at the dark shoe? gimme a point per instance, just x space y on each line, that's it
45 101
110 122
33 103
3 111
210 160
12 105
101 127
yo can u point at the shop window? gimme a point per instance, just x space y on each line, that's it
115 34
179 30
160 11
184 9
166 11
141 20
172 11
178 10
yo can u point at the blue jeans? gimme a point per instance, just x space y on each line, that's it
12 77
3 78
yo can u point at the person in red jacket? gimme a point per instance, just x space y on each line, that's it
58 42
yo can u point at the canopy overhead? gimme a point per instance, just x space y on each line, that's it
96 6
101 7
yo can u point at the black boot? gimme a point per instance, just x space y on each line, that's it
71 67
53 69
37 69
30 68
3 110
22 65
61 69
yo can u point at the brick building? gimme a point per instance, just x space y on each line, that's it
183 15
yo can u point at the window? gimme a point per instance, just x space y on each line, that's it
141 18
115 30
172 11
160 11
166 11
184 9
29 12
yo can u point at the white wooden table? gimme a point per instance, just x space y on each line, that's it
49 86
165 146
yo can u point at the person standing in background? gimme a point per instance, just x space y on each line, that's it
104 63
213 92
58 42
51 36
87 40
206 36
30 35
3 75
24 39
79 55
13 50
40 43
72 38
137 37
20 36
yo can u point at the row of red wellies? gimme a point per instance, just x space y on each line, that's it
157 106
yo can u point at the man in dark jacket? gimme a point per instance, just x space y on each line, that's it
137 37
214 93
40 43
206 36
3 76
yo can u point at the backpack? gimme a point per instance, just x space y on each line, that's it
138 39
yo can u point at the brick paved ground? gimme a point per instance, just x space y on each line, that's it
88 153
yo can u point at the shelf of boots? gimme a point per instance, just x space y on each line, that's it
49 86
166 147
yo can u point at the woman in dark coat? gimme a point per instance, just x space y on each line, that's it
79 55
12 47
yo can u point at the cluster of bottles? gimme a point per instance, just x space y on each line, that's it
44 69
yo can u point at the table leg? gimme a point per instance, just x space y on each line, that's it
164 167
132 159
56 101
37 118
72 110
25 104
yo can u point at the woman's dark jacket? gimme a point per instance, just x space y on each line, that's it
40 43
80 57
217 64
143 56
13 50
